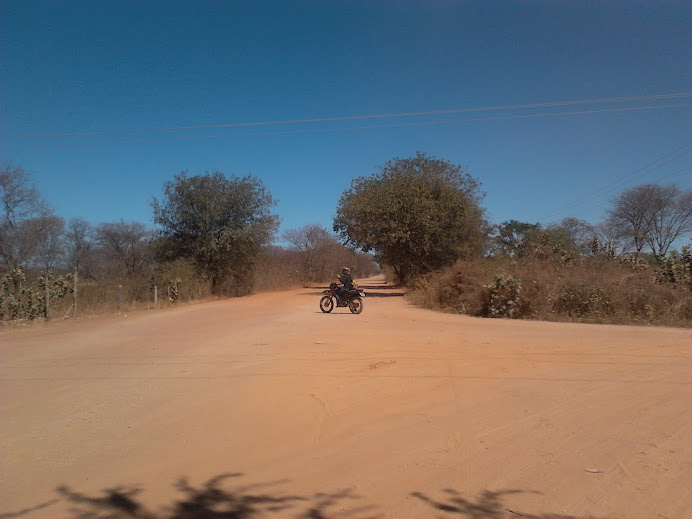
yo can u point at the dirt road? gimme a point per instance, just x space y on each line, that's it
266 403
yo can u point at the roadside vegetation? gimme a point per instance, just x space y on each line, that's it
214 237
419 218
417 215
623 270
423 219
550 284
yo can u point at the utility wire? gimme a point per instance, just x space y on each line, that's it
392 125
674 174
647 169
626 179
450 121
358 117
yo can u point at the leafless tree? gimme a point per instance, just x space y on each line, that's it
78 245
23 213
651 215
631 215
580 231
671 218
124 244
313 243
49 237
323 256
20 201
612 236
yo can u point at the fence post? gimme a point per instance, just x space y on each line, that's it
74 296
120 296
156 294
47 299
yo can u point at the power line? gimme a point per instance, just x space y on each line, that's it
625 179
656 97
647 169
674 174
449 121
396 125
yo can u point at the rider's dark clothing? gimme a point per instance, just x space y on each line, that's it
347 281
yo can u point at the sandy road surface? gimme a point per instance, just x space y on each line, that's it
396 413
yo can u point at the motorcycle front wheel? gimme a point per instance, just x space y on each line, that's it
356 305
326 304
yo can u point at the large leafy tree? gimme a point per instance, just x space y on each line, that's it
218 223
416 214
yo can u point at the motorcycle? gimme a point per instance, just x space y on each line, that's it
353 299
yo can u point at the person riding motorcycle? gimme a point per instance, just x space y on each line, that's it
347 281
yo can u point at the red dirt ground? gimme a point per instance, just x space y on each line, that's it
395 413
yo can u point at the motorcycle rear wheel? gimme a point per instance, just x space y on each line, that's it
326 304
356 305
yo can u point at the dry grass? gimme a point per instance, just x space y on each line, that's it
556 288
174 283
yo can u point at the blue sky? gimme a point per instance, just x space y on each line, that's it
104 101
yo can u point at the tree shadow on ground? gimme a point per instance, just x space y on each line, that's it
371 294
26 511
218 499
214 499
370 291
488 505
382 290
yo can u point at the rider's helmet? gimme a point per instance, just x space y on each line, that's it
345 270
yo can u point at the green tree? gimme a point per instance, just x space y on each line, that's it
416 214
513 236
516 238
220 224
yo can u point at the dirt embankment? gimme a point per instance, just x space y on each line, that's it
266 403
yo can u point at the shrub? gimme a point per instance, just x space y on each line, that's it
580 299
18 301
456 289
502 297
550 286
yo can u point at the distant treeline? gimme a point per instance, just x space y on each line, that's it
420 218
214 237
